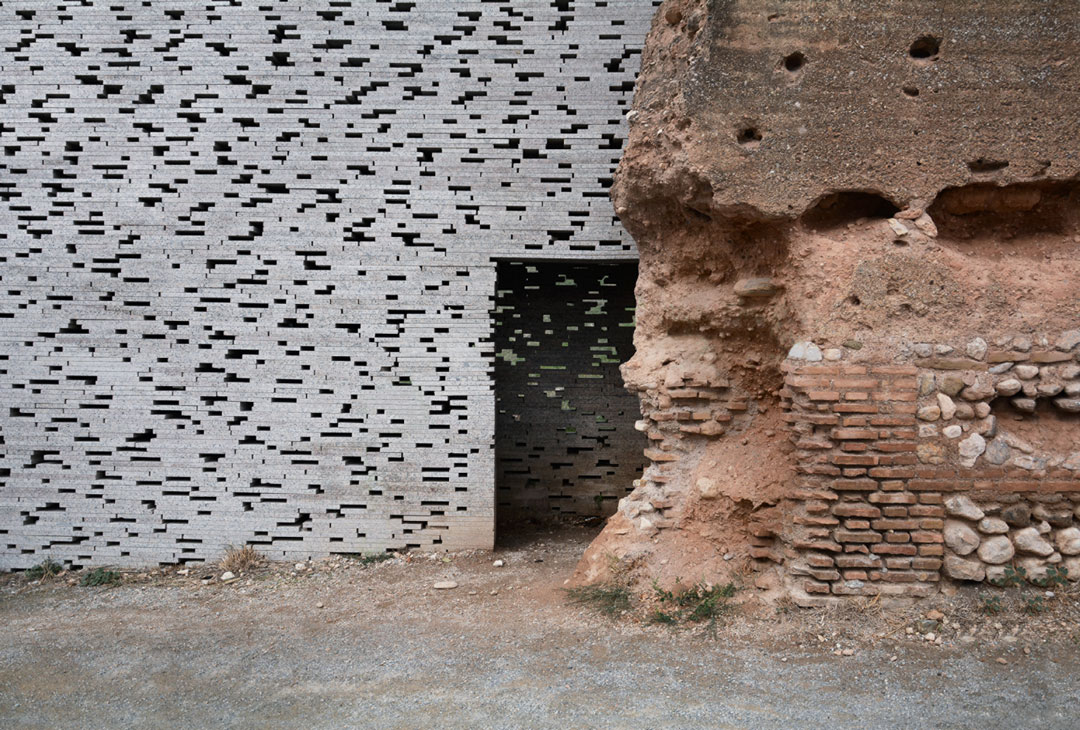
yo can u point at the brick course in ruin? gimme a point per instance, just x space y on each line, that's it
886 503
833 223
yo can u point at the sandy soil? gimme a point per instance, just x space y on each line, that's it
341 644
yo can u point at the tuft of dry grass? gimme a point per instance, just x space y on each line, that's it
240 559
48 568
610 599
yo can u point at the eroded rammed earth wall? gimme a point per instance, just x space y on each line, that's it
857 306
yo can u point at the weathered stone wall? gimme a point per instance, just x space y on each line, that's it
248 260
850 219
898 483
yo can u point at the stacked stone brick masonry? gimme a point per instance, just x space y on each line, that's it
910 471
248 259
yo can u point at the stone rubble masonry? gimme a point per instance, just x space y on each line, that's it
885 506
249 253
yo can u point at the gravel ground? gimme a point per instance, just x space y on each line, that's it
340 645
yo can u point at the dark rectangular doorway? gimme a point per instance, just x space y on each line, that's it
565 443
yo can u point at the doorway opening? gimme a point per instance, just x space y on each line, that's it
566 449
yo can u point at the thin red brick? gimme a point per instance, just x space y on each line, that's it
894 498
845 536
884 549
855 459
856 509
853 485
887 524
926 563
892 421
855 408
857 561
895 446
892 472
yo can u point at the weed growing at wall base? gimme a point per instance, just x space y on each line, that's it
238 560
1034 604
991 605
1013 577
99 577
694 604
47 568
1056 577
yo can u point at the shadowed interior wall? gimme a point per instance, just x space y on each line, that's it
565 438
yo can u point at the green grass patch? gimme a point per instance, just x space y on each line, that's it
692 604
368 558
99 577
374 558
991 604
1034 604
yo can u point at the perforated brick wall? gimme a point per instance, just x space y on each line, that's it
248 261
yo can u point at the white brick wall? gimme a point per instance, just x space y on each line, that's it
247 252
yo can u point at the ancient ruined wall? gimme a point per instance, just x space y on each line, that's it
907 473
248 261
861 226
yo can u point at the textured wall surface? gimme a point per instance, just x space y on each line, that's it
248 261
941 465
863 191
775 105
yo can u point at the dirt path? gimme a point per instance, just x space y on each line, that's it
385 650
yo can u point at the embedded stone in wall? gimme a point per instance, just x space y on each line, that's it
1026 375
971 478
